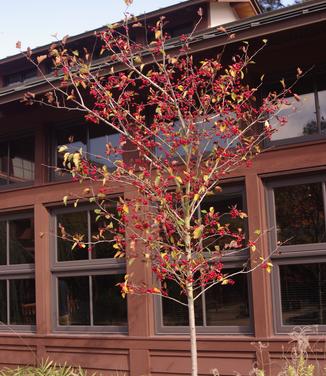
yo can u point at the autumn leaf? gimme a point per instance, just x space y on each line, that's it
128 2
222 29
19 44
198 232
41 58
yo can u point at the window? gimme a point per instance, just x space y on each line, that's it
91 139
305 118
18 77
222 309
17 160
17 284
297 217
84 279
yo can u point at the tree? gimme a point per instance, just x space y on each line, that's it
269 5
184 124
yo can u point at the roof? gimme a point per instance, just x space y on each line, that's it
286 18
148 15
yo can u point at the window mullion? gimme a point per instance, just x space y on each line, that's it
8 163
8 245
8 301
91 313
324 202
317 106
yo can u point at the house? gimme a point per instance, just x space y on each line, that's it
64 306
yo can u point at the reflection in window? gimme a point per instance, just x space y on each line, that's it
175 314
22 301
17 161
222 203
303 293
75 301
219 306
74 305
301 118
20 247
3 242
99 137
322 110
228 305
3 300
109 308
71 223
300 214
103 247
21 237
91 140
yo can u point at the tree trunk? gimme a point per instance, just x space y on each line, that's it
192 328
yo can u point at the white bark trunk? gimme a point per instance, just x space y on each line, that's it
192 328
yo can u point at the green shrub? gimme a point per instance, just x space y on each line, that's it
48 368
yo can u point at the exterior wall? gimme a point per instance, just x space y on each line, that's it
142 352
221 13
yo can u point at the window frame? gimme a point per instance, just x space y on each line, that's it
8 139
55 177
314 79
9 272
229 262
75 268
309 253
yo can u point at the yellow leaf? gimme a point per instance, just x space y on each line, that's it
178 179
196 197
198 232
125 208
222 127
158 34
65 199
156 290
62 148
225 282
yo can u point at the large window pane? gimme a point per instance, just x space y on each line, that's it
21 246
300 214
228 305
74 303
21 161
301 118
3 302
22 301
3 163
109 308
99 137
222 205
303 293
103 245
3 242
175 314
75 138
322 105
71 224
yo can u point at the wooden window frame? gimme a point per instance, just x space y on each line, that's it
89 267
229 262
10 272
290 254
